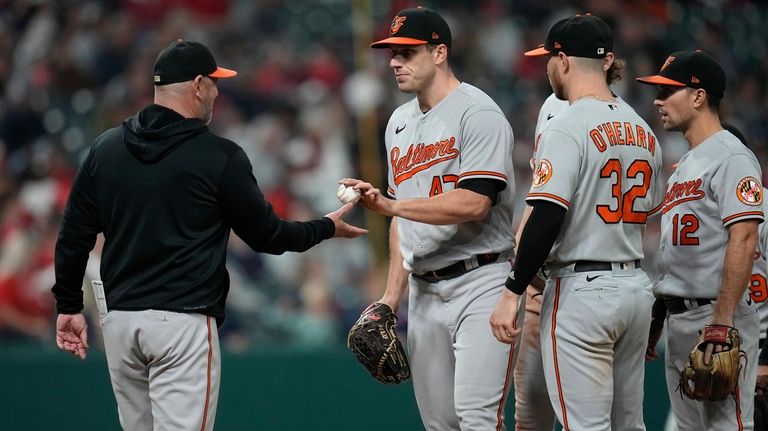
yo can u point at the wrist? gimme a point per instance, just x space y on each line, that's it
393 207
722 319
514 285
392 300
508 294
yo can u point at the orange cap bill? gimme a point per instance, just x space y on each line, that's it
538 52
659 80
221 72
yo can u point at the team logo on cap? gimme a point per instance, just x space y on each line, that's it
396 24
670 59
543 173
749 191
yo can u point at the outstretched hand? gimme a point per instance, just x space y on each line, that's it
344 229
72 334
371 197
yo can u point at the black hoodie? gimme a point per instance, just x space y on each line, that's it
166 192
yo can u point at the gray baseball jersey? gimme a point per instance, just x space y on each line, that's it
715 184
601 162
758 282
430 153
461 374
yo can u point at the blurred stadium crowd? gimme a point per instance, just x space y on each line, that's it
71 69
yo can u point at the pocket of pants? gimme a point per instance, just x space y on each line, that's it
596 289
744 310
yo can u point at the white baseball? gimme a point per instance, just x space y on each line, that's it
347 194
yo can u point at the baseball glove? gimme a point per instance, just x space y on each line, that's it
713 382
373 341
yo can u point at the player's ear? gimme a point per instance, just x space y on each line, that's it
441 54
608 61
197 84
699 98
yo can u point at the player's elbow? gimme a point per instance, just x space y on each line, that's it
479 210
744 232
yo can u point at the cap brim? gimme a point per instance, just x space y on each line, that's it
221 72
538 52
659 80
385 43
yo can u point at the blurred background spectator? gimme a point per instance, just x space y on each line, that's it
309 107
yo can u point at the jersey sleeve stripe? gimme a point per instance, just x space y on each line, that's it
391 191
482 174
549 197
743 216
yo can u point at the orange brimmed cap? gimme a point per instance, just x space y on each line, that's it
416 26
693 69
578 36
183 61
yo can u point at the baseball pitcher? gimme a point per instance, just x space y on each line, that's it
450 171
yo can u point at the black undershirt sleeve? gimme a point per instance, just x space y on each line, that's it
536 241
253 219
484 186
763 358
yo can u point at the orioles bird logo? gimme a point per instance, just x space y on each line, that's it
396 24
670 59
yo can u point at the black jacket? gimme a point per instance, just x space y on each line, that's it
166 192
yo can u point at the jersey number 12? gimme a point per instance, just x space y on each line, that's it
686 225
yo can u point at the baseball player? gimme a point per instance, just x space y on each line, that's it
533 410
597 178
709 230
450 172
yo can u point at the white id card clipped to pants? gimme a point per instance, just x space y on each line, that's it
101 299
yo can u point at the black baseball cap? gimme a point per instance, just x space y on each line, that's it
694 69
416 26
183 61
578 36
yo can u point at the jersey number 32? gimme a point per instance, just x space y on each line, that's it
625 210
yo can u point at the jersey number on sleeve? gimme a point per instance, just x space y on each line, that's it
625 208
437 184
758 290
687 224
